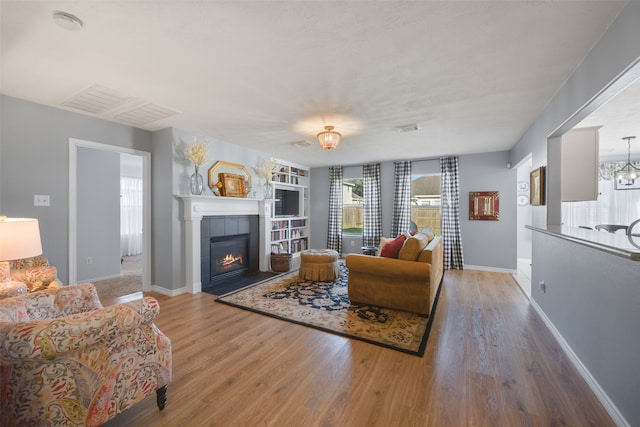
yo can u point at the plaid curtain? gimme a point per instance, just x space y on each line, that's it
401 198
372 209
450 213
334 233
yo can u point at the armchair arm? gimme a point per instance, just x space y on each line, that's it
388 267
45 339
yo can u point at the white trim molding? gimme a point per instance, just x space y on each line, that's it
194 208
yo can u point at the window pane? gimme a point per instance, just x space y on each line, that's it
425 201
352 201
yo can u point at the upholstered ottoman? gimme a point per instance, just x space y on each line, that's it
319 265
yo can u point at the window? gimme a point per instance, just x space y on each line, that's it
352 202
425 201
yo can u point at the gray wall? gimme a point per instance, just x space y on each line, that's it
489 172
35 160
98 214
478 172
592 298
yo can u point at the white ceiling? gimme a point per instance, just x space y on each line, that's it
265 74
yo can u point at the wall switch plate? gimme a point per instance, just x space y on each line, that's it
41 200
89 260
542 286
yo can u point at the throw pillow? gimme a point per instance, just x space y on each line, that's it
391 249
383 241
413 246
429 232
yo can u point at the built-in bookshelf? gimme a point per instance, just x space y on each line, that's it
289 217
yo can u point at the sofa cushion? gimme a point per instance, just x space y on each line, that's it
413 246
429 232
392 248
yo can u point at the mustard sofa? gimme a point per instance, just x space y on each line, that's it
408 283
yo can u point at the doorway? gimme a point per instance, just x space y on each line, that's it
524 217
95 245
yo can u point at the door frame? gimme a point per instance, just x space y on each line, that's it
74 144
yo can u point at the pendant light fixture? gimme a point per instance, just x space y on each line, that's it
628 174
329 139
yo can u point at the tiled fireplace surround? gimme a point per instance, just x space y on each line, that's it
195 208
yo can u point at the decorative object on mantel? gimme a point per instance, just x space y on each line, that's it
536 187
264 170
232 185
484 205
196 153
217 185
329 139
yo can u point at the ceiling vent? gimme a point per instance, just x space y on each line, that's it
144 114
95 99
407 128
301 144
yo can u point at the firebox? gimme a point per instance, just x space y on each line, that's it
229 256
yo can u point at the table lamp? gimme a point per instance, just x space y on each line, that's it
19 238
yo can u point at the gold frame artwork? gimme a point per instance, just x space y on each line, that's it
229 168
484 205
536 187
232 185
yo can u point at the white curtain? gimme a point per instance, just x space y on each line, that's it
620 207
130 216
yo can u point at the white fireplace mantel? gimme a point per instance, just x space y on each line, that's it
194 208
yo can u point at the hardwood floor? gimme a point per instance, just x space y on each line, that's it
490 361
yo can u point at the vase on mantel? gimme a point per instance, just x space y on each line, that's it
267 189
197 183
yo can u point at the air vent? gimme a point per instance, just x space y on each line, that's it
95 99
144 114
302 144
407 128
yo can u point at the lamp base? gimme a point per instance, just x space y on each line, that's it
5 270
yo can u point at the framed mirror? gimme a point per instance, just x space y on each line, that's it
228 168
484 205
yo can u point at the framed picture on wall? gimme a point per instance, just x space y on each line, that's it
484 205
536 187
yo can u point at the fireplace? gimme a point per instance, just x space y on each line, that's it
230 250
230 257
205 217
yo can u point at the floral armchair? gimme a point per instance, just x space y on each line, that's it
35 273
67 361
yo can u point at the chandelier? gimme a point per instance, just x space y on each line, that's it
329 139
628 174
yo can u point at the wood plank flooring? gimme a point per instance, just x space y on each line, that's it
490 361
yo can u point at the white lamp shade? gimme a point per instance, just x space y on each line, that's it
19 238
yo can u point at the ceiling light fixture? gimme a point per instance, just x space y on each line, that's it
329 139
67 21
628 174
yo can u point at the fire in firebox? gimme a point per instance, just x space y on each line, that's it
229 262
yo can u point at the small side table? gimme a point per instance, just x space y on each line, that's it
369 250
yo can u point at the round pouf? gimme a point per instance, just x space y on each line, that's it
319 265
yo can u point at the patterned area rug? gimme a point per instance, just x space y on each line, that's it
326 306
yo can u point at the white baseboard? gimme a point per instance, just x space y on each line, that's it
491 269
604 399
97 279
169 292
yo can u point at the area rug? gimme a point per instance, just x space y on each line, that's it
326 306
